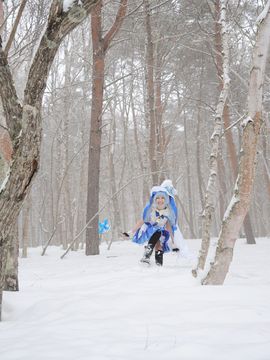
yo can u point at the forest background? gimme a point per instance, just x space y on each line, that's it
163 75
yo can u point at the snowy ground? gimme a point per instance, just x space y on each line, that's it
109 307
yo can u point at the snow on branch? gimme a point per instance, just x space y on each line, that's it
246 121
263 14
67 4
4 183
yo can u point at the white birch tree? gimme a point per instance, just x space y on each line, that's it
210 197
239 205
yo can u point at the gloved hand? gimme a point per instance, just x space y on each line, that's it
127 234
175 249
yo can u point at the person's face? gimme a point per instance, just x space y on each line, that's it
160 202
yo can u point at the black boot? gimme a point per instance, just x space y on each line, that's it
150 247
159 257
147 253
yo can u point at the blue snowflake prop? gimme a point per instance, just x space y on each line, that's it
103 227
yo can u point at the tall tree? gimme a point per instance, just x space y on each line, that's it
239 205
11 271
100 46
150 97
15 26
24 121
2 16
226 118
26 226
211 190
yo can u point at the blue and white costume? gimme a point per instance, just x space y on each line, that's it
156 219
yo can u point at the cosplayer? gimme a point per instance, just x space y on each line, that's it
158 227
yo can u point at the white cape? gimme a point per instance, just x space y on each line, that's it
181 244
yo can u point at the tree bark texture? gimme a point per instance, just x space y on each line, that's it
15 26
222 185
2 15
11 271
211 190
100 46
24 122
5 146
160 131
239 205
266 169
26 226
141 159
115 202
234 165
190 202
201 185
92 238
150 99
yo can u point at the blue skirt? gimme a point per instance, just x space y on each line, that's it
145 232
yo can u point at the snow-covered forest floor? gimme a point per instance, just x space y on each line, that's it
109 307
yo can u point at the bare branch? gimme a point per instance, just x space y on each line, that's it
1 17
116 25
15 26
60 23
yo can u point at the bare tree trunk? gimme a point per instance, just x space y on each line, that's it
211 191
179 202
12 248
139 152
69 219
266 169
15 26
5 153
150 99
201 185
239 205
222 186
24 122
160 131
26 226
190 202
11 272
2 16
81 201
226 120
234 165
116 208
82 189
92 238
122 200
100 47
248 230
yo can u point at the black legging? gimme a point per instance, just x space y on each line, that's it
154 239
